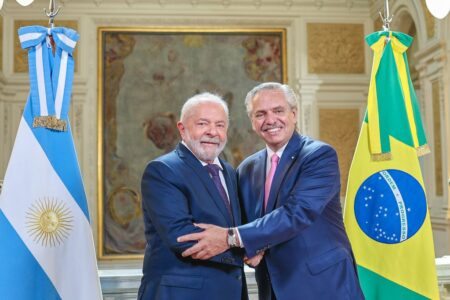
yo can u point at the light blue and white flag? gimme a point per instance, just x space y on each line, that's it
46 245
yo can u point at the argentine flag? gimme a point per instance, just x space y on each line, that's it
46 245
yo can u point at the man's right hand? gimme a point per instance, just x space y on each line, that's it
211 242
254 261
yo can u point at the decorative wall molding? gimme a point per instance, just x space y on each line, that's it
308 106
431 64
207 5
437 141
429 20
340 128
335 48
432 58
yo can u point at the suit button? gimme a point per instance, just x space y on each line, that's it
239 277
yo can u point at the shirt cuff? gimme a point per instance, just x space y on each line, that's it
241 244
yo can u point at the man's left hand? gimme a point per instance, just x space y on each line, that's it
211 242
254 261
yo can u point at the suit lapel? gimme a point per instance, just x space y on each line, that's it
287 159
205 179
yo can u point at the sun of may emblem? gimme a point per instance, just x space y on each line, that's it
49 222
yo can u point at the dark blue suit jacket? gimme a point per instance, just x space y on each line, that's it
307 252
177 191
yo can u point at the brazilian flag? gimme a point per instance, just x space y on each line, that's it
386 215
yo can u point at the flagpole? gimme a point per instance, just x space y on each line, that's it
53 11
386 8
387 18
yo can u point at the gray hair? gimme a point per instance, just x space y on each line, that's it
289 94
199 99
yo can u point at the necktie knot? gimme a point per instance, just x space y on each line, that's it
213 169
274 159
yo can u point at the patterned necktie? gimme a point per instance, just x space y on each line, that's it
213 170
274 159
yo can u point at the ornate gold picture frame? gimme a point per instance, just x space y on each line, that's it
144 77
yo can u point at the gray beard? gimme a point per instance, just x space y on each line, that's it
196 147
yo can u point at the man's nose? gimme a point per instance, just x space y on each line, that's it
270 118
212 130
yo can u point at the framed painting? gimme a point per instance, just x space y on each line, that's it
144 77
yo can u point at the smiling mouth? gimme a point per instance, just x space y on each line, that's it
272 130
210 143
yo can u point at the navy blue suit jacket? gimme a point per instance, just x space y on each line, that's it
177 191
307 252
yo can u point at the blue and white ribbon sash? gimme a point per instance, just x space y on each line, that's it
51 74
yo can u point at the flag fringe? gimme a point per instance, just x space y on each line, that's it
381 156
50 122
423 150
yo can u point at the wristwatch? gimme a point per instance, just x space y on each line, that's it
232 239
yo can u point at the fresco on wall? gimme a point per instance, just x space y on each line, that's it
145 77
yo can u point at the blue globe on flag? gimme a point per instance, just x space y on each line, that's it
390 206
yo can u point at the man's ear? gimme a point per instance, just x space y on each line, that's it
294 111
253 127
181 128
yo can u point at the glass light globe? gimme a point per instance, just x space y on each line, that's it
438 8
24 2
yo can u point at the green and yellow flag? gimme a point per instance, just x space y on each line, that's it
386 214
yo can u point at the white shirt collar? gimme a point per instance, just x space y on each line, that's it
270 152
